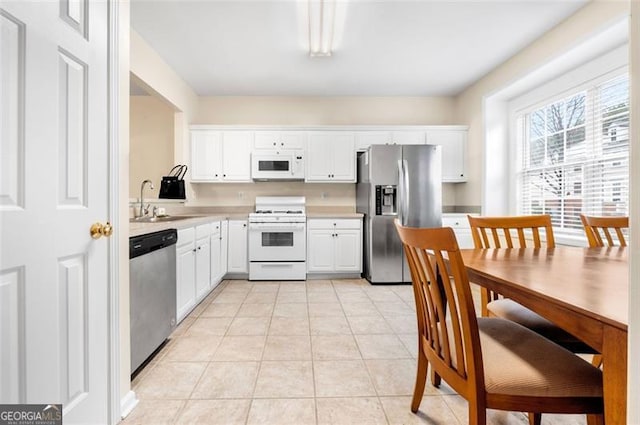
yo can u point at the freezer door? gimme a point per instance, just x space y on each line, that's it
421 190
385 262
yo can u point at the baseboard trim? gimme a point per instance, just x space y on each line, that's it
128 403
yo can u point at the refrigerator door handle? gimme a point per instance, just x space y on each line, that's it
403 181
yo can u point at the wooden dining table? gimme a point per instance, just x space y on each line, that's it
583 290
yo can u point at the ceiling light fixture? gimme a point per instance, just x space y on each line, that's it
321 27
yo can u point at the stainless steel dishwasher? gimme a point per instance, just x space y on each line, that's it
152 292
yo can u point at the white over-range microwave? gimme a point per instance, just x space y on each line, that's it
277 165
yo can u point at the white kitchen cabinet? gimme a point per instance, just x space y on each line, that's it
454 152
221 156
218 252
364 139
237 261
206 154
334 245
460 225
236 156
185 275
197 256
203 266
224 247
280 140
331 157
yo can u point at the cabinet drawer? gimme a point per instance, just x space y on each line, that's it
203 230
186 236
342 223
455 222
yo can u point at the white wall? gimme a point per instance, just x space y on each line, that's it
325 110
470 104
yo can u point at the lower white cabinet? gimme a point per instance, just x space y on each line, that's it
238 261
460 225
203 260
218 252
334 245
185 273
199 253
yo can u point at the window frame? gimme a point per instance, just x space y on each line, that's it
583 78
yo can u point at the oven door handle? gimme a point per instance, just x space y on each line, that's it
277 226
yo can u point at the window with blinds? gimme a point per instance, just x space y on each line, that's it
575 156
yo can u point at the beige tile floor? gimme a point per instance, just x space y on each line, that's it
315 352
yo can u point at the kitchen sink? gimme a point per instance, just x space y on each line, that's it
161 219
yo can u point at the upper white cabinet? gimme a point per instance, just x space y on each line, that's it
280 140
236 156
223 153
364 139
218 156
331 157
454 152
206 155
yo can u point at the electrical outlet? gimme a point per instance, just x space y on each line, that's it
240 195
324 195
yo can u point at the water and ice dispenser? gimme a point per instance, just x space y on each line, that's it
386 200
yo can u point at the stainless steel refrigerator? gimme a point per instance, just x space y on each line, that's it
396 181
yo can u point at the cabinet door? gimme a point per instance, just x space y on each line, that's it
236 156
224 232
237 243
266 139
348 251
185 280
319 157
454 151
320 245
216 256
408 137
344 158
203 267
293 140
205 155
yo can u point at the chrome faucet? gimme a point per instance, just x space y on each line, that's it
144 211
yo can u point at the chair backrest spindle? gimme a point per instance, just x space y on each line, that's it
504 225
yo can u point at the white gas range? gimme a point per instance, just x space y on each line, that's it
278 239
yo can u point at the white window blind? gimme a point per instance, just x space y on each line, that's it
575 156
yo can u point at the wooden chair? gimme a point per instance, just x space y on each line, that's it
493 363
509 232
596 227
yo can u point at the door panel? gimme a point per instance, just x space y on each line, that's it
53 186
344 157
347 251
320 251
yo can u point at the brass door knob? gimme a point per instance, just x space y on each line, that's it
98 230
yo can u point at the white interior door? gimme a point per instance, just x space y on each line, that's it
53 186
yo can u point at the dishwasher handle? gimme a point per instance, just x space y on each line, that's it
144 244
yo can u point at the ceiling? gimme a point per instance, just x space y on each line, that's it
385 47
